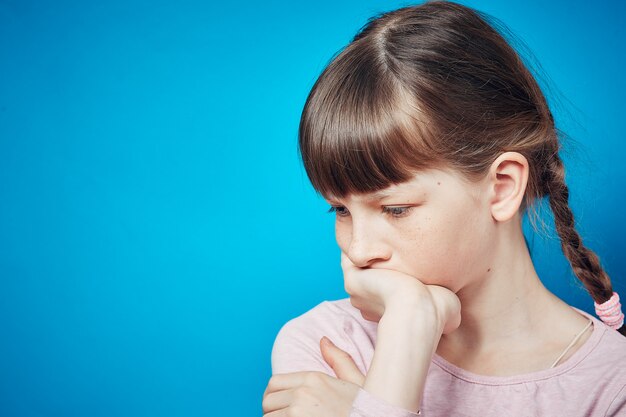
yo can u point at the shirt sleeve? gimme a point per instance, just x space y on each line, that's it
297 345
296 348
618 405
367 405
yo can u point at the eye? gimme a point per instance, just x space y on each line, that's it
396 211
339 211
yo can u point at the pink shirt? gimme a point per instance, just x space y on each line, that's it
592 382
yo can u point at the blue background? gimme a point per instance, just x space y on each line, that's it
156 226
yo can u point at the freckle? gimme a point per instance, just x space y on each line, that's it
438 183
489 270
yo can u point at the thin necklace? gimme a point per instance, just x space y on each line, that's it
572 344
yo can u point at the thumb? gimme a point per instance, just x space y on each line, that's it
341 362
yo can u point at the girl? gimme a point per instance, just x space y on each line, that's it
430 139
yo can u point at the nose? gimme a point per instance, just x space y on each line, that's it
367 246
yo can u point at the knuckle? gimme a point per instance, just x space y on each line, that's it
357 302
265 405
270 384
313 379
295 411
300 395
348 284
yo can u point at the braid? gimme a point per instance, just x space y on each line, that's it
584 262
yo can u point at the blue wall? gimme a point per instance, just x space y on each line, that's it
156 227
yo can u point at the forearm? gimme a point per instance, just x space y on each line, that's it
407 339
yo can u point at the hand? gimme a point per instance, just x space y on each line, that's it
315 394
375 290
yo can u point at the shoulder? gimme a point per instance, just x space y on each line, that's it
609 351
296 347
606 367
606 346
618 405
323 317
603 356
613 343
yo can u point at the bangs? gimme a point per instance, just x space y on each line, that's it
360 132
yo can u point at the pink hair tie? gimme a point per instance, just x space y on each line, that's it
611 312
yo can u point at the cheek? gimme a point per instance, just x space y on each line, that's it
426 251
444 248
342 235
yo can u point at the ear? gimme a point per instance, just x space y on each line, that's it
508 176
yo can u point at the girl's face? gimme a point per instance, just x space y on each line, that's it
436 227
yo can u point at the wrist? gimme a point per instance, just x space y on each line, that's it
413 311
407 337
411 328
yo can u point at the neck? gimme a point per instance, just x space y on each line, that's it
506 307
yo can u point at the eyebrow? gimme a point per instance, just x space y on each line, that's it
379 195
376 195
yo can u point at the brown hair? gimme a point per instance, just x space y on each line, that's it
435 85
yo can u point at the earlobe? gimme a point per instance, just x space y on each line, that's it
508 177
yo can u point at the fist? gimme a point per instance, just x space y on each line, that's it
376 290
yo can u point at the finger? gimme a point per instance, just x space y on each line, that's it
370 317
353 281
277 400
277 413
346 263
341 362
280 382
449 305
